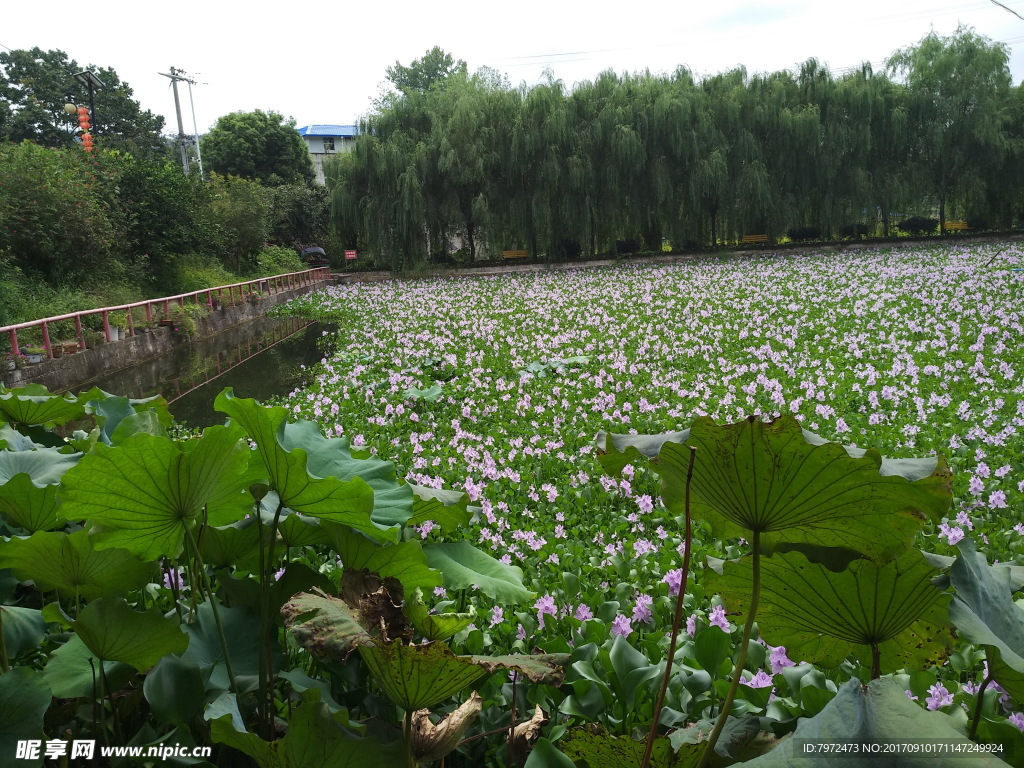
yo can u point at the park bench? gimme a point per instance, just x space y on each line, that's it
514 254
956 226
751 239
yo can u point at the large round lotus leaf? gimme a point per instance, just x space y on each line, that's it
822 616
792 486
24 699
878 712
985 614
115 632
148 490
285 453
35 404
70 564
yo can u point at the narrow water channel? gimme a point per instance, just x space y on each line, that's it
262 359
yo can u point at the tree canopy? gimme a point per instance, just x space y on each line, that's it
454 162
257 145
34 87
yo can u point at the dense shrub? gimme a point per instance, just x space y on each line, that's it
567 249
629 245
800 234
854 230
60 219
918 225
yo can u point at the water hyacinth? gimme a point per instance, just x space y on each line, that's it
912 351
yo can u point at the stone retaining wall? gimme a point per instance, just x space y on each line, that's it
74 372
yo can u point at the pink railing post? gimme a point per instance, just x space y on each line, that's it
130 316
106 325
46 339
78 332
15 349
149 312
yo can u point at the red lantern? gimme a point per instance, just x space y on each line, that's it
87 142
83 119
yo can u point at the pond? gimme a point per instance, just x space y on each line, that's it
262 359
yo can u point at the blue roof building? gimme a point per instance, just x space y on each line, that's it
325 140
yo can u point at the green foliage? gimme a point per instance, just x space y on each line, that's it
259 146
241 208
60 220
36 84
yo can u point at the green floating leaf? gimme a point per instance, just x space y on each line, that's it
985 614
301 531
148 490
315 739
35 404
45 466
29 506
881 712
118 418
446 508
435 626
405 561
463 566
236 545
430 394
175 691
24 699
767 477
332 457
23 628
546 668
70 564
822 616
115 632
73 671
244 635
546 755
347 502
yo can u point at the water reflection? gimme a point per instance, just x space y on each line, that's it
262 359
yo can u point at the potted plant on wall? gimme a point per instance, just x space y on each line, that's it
33 354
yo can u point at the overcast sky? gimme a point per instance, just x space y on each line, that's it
325 62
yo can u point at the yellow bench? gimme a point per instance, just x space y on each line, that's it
514 254
956 226
750 239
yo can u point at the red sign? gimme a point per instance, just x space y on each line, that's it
350 255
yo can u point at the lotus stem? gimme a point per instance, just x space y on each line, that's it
267 667
741 660
5 663
876 662
213 607
676 619
977 708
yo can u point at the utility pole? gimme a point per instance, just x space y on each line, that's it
175 76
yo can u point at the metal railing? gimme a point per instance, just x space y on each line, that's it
214 298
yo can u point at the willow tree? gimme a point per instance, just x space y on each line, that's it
957 90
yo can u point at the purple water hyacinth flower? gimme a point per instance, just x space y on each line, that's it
910 695
1017 719
778 659
674 579
173 579
621 626
691 625
583 612
761 680
545 606
938 697
716 618
497 615
642 609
